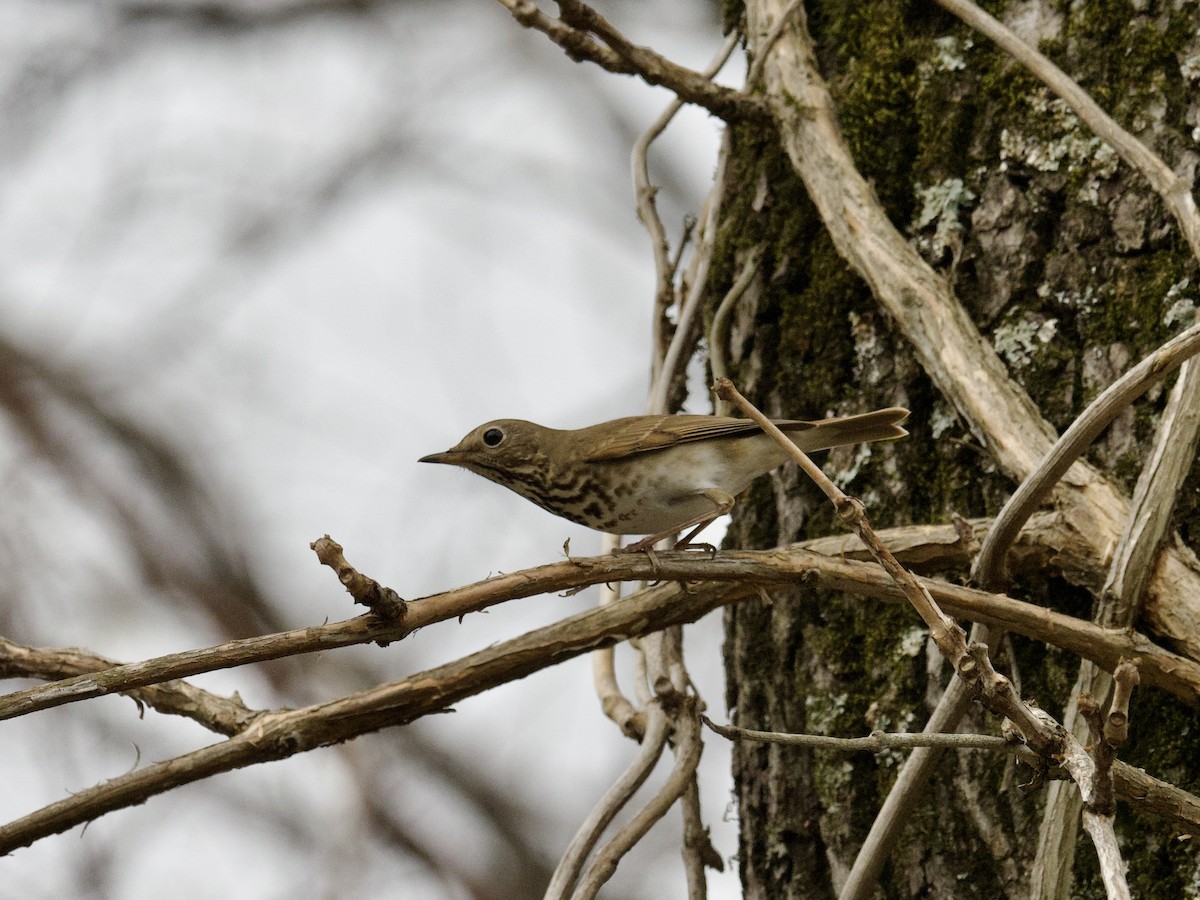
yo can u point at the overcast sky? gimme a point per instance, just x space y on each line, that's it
310 249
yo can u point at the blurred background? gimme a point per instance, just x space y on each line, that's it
257 258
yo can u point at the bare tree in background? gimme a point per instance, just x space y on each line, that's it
912 206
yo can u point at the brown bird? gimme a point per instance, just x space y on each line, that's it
652 475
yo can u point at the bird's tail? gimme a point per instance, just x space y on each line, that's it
880 425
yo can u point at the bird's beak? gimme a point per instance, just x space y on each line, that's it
450 458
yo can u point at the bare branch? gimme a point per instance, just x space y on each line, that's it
687 738
1075 440
1108 852
614 799
382 601
875 742
276 735
699 853
1133 785
659 657
902 799
972 664
586 36
692 288
223 715
1170 459
951 350
280 734
1083 638
1151 795
1099 809
645 192
718 333
614 703
951 639
1116 723
735 576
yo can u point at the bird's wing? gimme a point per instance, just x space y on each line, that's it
643 434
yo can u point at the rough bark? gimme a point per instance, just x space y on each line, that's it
1071 268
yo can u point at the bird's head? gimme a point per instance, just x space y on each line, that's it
510 452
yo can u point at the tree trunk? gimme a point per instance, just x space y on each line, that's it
1069 265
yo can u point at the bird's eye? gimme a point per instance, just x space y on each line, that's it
493 436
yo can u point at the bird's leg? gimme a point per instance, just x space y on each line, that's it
687 543
723 503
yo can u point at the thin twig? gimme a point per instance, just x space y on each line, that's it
718 333
661 655
567 873
645 192
222 715
951 639
614 703
694 286
901 800
971 663
382 601
687 757
698 851
875 742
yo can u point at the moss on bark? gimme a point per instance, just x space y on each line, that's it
1074 271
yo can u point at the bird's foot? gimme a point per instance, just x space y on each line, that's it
645 545
701 546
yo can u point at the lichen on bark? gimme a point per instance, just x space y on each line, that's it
1070 265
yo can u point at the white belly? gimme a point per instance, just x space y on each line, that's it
669 486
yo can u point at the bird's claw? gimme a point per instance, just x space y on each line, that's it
702 546
646 546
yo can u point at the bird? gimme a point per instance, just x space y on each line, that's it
648 475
